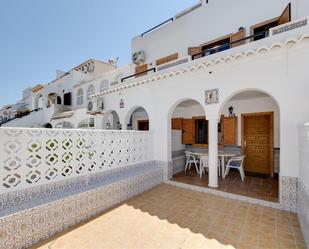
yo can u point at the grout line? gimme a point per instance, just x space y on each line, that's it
259 228
292 225
243 228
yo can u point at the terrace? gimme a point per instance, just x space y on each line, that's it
170 217
81 189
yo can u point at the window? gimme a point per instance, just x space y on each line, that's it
201 131
104 86
80 97
87 123
90 91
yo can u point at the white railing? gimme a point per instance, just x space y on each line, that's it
32 157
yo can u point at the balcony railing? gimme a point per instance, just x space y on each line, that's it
159 25
138 74
226 46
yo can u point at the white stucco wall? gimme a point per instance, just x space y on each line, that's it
212 21
281 73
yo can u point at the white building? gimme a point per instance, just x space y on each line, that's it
185 75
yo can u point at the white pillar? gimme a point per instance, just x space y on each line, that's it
213 153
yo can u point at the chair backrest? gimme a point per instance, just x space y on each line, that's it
190 156
237 160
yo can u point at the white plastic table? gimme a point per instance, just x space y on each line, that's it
222 155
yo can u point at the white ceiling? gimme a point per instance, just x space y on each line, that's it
249 95
188 103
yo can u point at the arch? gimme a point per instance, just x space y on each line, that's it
185 117
80 96
111 121
38 101
172 108
59 100
90 91
52 98
137 118
233 94
253 104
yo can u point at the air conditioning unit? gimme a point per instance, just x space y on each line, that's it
95 106
139 57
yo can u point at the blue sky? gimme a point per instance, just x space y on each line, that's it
38 37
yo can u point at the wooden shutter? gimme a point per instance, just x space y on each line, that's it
188 132
140 69
229 130
177 124
194 50
285 16
167 59
238 36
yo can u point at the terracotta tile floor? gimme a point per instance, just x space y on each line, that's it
256 187
174 218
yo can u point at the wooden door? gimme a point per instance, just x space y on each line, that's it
285 16
238 36
258 143
188 132
229 130
141 69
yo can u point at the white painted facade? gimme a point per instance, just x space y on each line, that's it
275 66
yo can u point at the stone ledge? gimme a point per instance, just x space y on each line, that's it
26 228
24 199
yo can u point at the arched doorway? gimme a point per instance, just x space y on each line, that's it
250 126
137 119
52 99
111 121
189 132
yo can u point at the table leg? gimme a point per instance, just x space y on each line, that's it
222 167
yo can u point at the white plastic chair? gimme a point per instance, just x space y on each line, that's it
191 158
204 164
236 163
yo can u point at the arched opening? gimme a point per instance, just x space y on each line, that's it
80 97
90 91
111 121
64 125
189 132
248 144
52 99
137 119
59 100
38 102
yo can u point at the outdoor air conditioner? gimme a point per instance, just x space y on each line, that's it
95 106
139 57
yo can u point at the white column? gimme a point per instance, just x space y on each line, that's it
213 153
